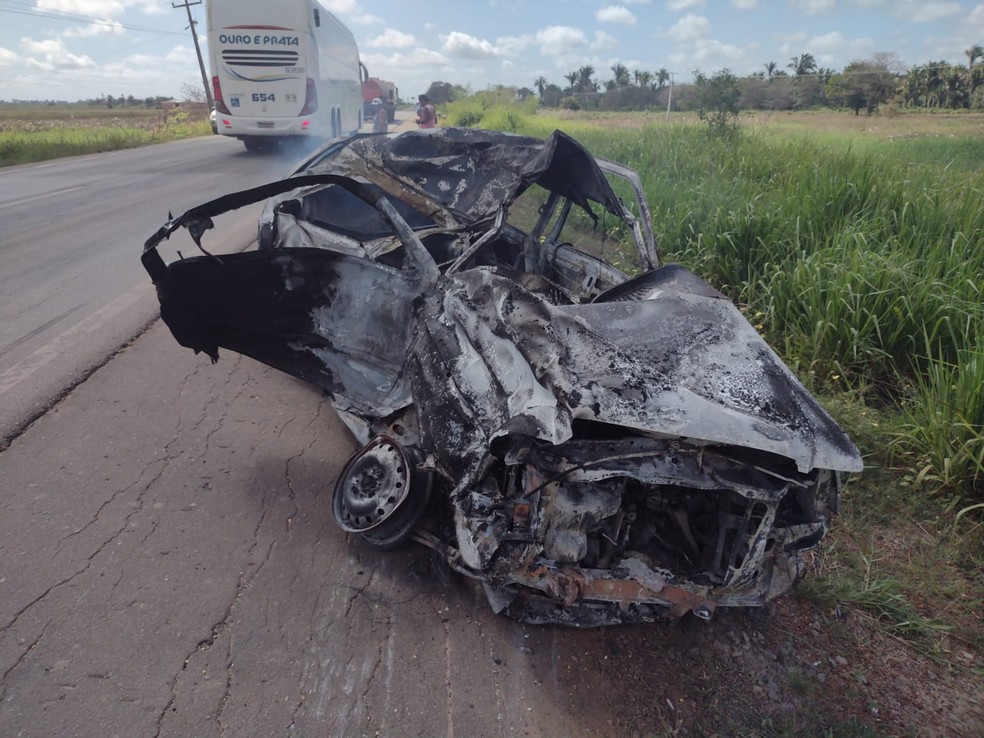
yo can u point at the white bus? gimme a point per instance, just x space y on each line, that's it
282 70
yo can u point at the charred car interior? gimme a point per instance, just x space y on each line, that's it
594 437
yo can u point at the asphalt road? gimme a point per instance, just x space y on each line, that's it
72 289
168 561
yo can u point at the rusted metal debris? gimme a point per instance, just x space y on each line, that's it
593 436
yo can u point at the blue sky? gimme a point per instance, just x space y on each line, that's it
72 49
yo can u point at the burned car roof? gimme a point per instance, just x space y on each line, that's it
467 171
594 437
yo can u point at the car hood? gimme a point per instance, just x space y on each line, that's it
498 360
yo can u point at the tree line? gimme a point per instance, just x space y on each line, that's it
801 84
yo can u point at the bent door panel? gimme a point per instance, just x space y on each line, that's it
339 322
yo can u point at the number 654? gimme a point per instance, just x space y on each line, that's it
264 97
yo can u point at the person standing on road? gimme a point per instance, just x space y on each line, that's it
426 115
380 118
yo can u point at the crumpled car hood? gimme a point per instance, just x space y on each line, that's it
678 364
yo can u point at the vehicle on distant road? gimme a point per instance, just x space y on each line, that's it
374 87
282 71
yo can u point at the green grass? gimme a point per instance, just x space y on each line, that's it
34 135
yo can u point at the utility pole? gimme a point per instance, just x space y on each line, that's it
669 97
201 64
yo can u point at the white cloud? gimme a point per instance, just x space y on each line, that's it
966 32
352 12
348 7
604 42
921 11
467 47
392 39
51 56
103 28
976 18
394 65
181 55
813 7
515 44
364 19
149 7
97 8
616 14
745 4
557 40
7 57
46 46
104 8
690 28
711 50
790 41
828 43
684 4
830 49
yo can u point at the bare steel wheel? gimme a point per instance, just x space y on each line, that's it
379 495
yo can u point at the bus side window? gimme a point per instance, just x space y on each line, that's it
317 18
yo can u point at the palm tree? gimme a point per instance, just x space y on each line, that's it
770 69
974 53
935 84
662 77
621 75
975 77
643 78
804 64
914 86
956 88
584 81
540 83
825 73
572 78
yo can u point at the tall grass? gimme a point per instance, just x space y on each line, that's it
862 260
942 421
40 143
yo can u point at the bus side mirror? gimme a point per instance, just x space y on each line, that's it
317 18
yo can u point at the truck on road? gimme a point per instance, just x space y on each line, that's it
373 88
282 71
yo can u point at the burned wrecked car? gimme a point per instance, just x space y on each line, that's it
593 436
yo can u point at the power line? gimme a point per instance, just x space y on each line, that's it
15 8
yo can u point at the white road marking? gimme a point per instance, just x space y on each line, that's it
78 332
41 197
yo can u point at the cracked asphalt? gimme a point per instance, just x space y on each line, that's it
169 567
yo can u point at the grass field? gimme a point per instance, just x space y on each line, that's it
856 246
30 134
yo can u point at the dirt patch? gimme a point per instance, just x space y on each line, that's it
788 669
